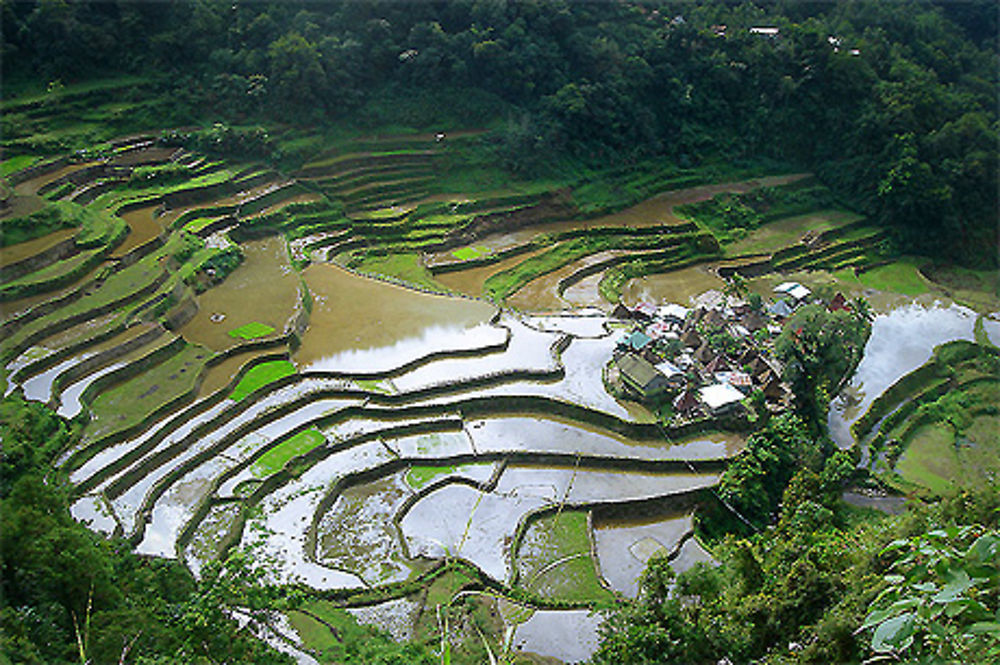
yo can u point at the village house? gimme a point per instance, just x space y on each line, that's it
674 374
641 377
634 341
838 303
672 314
793 290
781 309
687 403
721 398
699 379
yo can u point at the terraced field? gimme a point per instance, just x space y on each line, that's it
934 431
276 362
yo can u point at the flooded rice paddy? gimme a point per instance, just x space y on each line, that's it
263 289
385 431
901 341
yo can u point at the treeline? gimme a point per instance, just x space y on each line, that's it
894 104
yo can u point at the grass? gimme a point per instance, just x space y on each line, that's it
261 375
730 216
127 404
900 276
199 223
96 226
115 287
334 635
405 267
930 459
119 197
466 253
419 476
274 460
942 423
252 330
554 559
15 164
789 230
35 91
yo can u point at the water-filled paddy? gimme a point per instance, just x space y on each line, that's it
143 227
263 289
25 250
569 635
679 286
363 324
626 544
901 341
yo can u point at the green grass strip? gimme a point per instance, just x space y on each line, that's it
261 375
275 459
466 253
419 476
252 330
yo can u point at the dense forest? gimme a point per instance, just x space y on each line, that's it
892 104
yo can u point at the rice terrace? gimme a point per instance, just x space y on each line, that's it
363 332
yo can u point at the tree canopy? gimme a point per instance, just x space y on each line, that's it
894 104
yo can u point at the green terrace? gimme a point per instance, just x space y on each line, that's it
935 430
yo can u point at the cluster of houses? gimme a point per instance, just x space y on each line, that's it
667 354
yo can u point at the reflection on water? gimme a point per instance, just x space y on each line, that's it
364 324
625 546
569 635
679 286
900 342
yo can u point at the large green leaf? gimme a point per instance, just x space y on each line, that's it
894 634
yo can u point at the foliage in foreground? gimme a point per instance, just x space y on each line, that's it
815 589
71 596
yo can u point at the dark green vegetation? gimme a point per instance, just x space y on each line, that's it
580 110
71 596
923 585
733 215
819 349
893 104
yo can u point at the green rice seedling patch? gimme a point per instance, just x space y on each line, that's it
274 460
199 223
252 330
900 276
783 232
554 559
466 253
127 404
261 375
375 386
406 267
15 164
419 476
